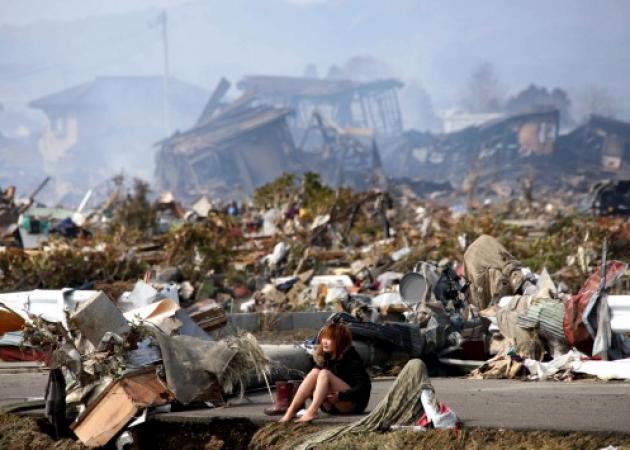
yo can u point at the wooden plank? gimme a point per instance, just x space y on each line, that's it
106 418
213 103
112 410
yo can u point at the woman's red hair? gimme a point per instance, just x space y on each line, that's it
340 335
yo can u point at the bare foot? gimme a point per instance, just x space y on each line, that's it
307 417
286 418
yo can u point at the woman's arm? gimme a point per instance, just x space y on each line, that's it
360 384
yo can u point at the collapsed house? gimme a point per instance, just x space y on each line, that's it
338 125
507 150
229 153
350 104
352 134
22 163
601 146
110 123
345 156
498 150
236 147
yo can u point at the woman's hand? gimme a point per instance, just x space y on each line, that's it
333 397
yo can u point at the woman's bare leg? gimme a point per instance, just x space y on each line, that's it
304 391
327 383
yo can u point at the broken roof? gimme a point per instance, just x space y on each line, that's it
106 89
309 87
608 124
237 119
543 113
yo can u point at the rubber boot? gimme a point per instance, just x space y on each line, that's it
284 394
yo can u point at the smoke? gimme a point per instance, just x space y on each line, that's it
432 46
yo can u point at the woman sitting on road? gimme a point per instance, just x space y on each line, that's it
339 383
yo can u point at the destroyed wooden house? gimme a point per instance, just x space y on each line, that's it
349 104
501 149
600 147
338 125
344 157
228 154
98 127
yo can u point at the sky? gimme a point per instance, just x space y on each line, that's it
47 45
431 45
24 12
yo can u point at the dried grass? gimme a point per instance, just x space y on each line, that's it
249 359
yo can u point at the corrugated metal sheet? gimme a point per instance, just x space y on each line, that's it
546 316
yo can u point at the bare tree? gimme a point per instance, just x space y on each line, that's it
483 92
596 100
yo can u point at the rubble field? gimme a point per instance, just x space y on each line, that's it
143 307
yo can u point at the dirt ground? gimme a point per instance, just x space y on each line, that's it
25 433
279 436
221 434
22 433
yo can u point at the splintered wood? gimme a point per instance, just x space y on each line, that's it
117 405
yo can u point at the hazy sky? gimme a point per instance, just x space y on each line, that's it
50 45
46 45
27 11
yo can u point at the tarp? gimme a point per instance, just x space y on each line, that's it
193 365
492 271
575 332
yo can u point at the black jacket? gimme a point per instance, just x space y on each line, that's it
350 369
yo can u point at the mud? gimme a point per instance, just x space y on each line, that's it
21 433
220 434
279 436
282 436
26 433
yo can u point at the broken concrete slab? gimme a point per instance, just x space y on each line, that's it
97 316
309 320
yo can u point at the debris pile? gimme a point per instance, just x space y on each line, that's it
112 364
132 313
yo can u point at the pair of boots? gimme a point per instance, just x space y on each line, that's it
285 391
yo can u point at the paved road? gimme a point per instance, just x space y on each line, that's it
18 387
567 406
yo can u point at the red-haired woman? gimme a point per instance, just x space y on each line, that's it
339 383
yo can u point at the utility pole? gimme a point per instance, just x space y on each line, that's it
165 76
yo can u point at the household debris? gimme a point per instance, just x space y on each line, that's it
458 288
113 366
